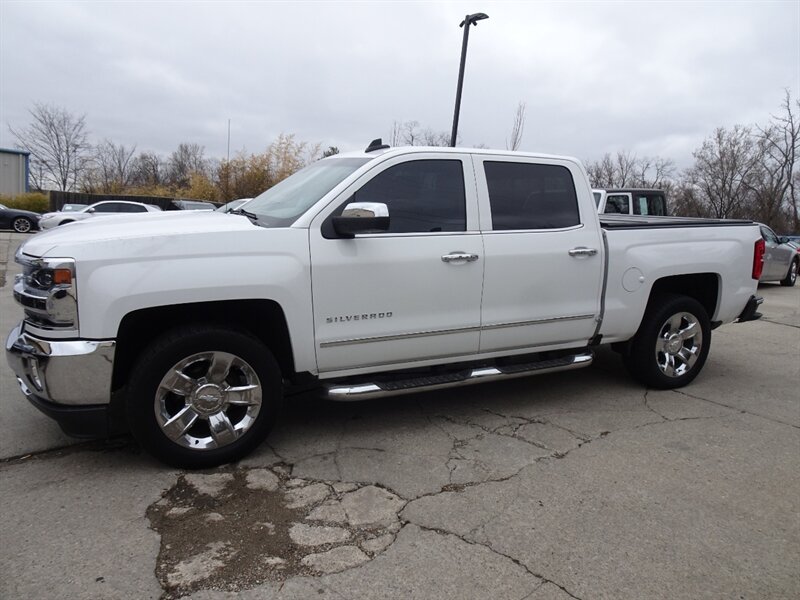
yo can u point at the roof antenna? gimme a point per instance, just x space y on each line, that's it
376 144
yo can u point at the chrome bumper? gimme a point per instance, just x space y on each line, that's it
76 372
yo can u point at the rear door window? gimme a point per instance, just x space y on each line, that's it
618 203
650 204
531 196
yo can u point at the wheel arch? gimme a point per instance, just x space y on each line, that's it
265 319
703 287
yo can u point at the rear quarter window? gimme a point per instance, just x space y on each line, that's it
531 196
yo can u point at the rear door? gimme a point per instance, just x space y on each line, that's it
403 296
544 255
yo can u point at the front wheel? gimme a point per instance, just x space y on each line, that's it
672 343
198 398
791 276
22 225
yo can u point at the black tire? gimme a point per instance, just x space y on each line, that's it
22 224
659 355
191 351
791 275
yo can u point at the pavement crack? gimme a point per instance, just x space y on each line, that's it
780 323
541 580
106 445
736 408
650 408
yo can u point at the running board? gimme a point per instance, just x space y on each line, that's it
367 391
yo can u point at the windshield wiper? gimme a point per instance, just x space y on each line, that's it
252 216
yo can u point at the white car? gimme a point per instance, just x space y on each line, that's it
104 208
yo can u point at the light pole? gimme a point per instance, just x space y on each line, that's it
468 20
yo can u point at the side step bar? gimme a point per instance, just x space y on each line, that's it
367 391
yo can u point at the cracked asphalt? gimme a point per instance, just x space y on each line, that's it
574 485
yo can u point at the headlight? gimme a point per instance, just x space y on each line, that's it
46 289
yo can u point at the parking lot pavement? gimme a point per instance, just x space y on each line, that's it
579 485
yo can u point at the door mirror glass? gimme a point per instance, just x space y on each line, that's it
362 217
783 239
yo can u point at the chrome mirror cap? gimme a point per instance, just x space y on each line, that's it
368 210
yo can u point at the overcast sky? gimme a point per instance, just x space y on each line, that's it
654 78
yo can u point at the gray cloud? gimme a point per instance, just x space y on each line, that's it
653 78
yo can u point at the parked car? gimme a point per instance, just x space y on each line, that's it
631 201
367 274
190 205
781 259
21 221
104 208
72 207
233 205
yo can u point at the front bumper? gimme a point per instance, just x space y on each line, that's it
68 380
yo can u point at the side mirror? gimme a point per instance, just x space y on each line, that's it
362 217
89 210
783 239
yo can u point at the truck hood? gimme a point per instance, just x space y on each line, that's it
133 227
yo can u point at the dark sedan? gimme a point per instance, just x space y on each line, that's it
21 221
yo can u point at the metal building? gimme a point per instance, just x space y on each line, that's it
14 172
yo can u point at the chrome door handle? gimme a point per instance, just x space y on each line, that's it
459 256
582 251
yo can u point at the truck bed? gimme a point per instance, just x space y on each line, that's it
610 221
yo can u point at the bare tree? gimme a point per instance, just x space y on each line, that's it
602 173
517 128
724 171
57 141
394 136
187 159
111 168
627 170
410 133
774 181
148 170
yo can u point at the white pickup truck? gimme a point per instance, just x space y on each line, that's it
365 274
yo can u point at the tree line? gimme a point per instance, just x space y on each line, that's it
738 172
63 157
748 172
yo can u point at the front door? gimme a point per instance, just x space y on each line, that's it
400 297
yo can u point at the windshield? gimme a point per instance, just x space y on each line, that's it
282 204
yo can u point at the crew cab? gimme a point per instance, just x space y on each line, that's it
364 274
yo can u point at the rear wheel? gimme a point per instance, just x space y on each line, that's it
198 398
791 276
22 224
672 343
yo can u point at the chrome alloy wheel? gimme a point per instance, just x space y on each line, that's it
678 346
208 400
793 273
